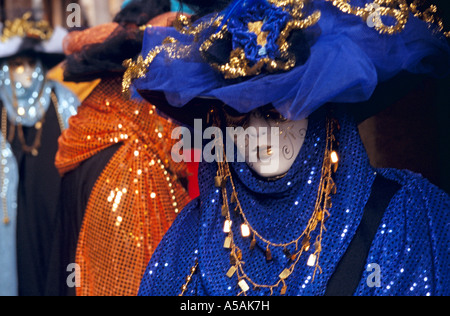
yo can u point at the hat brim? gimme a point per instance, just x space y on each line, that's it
49 52
386 94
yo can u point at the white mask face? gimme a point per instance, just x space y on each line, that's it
273 143
21 70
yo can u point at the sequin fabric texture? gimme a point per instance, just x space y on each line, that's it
411 245
137 196
8 232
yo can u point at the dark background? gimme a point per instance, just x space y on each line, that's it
414 133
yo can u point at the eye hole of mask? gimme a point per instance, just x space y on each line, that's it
234 118
21 61
268 112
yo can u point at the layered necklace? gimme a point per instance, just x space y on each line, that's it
304 244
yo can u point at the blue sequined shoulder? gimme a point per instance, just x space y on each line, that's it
411 246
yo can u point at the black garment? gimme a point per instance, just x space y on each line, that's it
76 188
38 194
347 276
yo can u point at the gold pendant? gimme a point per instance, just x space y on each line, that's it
220 182
234 198
233 260
269 254
306 243
245 230
225 211
227 226
231 272
253 244
312 261
244 286
228 241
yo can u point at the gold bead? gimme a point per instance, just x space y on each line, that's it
334 157
6 221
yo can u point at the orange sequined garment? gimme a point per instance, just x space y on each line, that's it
137 196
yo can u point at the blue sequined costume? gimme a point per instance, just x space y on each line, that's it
411 245
348 60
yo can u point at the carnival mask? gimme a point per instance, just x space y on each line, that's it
22 70
23 90
268 142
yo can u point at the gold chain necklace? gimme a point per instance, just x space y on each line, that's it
33 149
303 244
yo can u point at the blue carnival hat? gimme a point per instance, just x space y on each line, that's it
294 54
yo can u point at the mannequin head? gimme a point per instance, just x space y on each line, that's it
270 143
